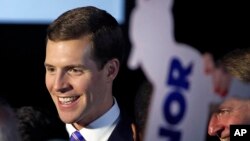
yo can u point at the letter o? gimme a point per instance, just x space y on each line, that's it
169 116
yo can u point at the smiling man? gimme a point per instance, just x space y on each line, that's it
83 56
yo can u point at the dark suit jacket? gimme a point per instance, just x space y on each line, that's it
123 130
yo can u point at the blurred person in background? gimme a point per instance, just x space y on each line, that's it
142 102
35 125
8 122
233 110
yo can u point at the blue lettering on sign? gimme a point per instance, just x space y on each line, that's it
173 135
178 79
174 97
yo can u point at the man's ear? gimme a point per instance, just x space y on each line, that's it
112 69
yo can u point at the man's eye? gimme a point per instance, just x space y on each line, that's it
223 112
75 71
50 69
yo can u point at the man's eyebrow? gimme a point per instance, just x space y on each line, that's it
47 65
68 66
76 66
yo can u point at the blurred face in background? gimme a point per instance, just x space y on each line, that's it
232 111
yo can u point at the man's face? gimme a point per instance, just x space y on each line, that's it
78 89
231 111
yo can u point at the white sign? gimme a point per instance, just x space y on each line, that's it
182 92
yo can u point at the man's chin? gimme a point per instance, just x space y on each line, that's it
66 118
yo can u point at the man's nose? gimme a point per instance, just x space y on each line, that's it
61 83
215 127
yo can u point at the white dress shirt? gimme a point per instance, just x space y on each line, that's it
101 128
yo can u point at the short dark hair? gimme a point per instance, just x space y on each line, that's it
98 25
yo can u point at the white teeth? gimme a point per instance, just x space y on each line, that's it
67 100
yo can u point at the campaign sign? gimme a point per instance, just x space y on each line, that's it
179 108
239 132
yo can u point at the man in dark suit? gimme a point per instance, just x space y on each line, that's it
84 52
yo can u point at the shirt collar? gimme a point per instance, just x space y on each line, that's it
100 128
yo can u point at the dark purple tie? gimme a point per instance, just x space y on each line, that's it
76 136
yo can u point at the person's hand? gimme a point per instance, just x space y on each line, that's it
220 78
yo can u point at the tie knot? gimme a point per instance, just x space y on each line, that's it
76 136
